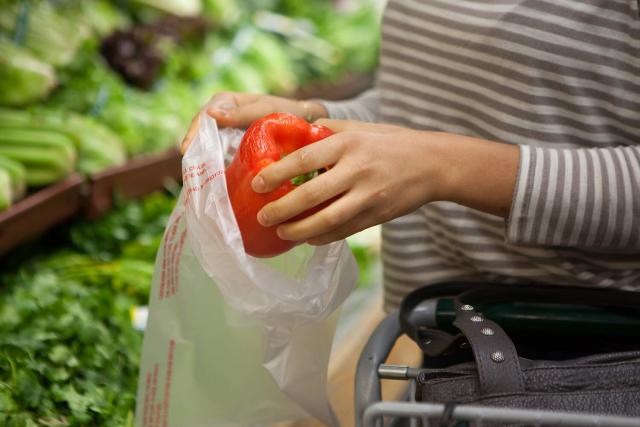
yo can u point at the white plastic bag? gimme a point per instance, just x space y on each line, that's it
234 340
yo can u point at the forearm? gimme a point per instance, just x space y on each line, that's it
476 173
586 198
579 197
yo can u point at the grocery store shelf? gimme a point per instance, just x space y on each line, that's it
39 212
137 178
90 197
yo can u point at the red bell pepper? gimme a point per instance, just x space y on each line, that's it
266 141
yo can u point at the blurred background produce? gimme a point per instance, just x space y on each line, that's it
87 87
68 350
84 85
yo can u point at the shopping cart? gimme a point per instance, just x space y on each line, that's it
576 315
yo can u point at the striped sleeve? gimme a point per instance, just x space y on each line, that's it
581 198
363 107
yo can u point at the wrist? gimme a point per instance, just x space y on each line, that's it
442 174
473 172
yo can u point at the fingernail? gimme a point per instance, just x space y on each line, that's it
263 220
258 184
217 112
281 234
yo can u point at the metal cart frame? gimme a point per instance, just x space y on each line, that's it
370 410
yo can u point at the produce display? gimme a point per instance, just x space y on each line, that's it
96 145
98 82
13 181
266 141
68 351
87 86
30 78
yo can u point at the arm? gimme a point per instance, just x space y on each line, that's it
581 198
586 198
239 110
382 172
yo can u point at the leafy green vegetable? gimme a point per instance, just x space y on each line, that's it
51 33
6 190
17 174
23 78
133 224
97 145
102 16
144 121
269 54
176 7
47 156
68 352
224 12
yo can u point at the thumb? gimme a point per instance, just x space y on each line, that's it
241 116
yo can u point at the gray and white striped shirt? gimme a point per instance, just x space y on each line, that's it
560 78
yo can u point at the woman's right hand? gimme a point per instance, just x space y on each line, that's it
239 110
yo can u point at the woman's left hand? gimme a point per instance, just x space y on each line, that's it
380 172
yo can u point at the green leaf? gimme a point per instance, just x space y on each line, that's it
59 354
68 352
7 404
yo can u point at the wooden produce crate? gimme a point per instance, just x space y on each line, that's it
39 212
137 178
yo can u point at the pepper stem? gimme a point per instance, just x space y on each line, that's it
301 179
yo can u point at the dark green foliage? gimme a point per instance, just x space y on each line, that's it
68 352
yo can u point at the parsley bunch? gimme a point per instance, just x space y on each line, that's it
68 352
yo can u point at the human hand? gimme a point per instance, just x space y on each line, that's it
239 110
380 172
377 173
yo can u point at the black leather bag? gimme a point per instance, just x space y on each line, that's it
478 363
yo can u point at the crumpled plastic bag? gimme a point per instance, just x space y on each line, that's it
234 340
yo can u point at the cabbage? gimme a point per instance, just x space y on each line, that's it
176 7
23 78
52 34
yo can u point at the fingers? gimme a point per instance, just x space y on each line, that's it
358 223
304 160
354 125
224 101
307 196
218 107
241 116
239 110
336 217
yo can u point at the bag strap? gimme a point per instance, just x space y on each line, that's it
434 336
496 357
